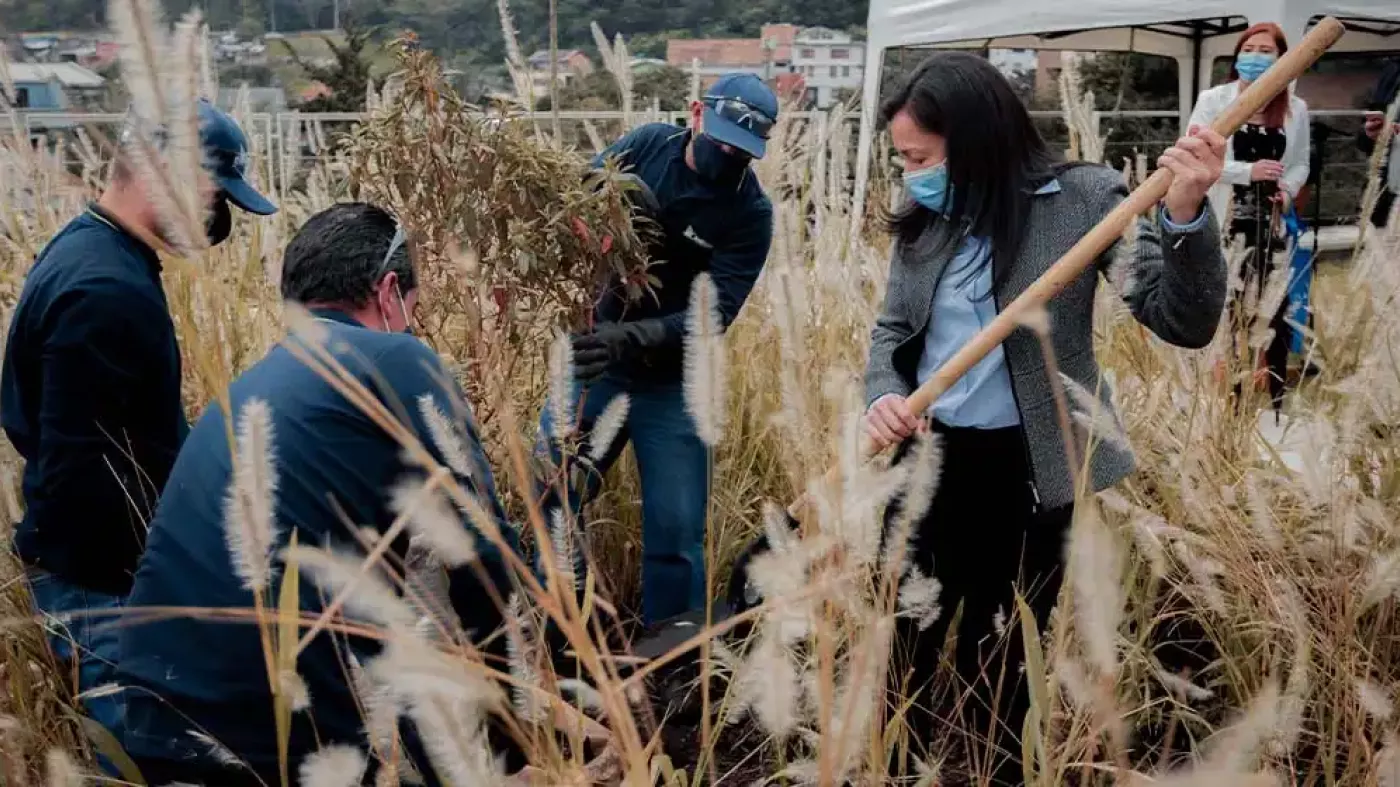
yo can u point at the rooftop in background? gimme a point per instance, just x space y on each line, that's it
568 58
715 51
70 75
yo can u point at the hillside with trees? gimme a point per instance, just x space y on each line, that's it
468 28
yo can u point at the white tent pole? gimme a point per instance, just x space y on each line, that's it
1186 98
869 105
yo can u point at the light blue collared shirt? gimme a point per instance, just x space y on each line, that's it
963 304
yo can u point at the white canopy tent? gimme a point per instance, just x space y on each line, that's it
1194 32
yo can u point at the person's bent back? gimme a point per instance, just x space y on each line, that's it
335 471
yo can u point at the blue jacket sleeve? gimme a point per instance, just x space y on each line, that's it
734 268
438 413
622 148
99 353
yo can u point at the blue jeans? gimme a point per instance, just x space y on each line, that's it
86 641
674 467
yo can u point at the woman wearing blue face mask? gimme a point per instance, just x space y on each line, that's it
1266 165
991 207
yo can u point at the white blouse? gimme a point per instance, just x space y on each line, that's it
1296 155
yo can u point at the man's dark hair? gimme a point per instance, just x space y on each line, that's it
338 256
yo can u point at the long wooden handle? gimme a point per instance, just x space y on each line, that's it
1110 229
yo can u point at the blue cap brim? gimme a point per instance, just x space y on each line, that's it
734 135
244 196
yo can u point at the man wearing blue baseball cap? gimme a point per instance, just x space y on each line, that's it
714 218
90 397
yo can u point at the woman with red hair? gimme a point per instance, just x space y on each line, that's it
1266 165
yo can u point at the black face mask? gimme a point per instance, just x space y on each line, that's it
715 165
220 222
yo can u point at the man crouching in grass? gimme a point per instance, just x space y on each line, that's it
200 707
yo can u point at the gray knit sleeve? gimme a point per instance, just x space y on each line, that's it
1174 279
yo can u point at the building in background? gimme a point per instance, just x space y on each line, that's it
831 63
766 57
826 64
573 63
55 87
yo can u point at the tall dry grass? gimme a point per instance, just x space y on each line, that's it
1232 603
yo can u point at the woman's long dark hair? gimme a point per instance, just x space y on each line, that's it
996 157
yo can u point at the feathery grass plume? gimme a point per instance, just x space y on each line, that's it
925 462
1093 416
705 376
520 657
141 34
767 684
857 695
585 696
304 325
779 576
1382 579
454 735
515 60
208 75
777 527
607 427
563 548
1236 749
1122 271
918 598
217 751
1036 318
61 770
250 527
1388 762
1203 573
1097 564
1074 681
379 706
448 705
1292 705
150 65
445 437
561 387
619 65
368 596
334 766
413 668
292 685
184 153
1375 700
1259 514
1183 688
431 518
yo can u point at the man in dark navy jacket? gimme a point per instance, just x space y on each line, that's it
90 397
335 469
1387 90
714 218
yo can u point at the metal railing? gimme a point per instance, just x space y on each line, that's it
1336 183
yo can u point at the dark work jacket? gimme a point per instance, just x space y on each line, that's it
725 231
90 397
333 466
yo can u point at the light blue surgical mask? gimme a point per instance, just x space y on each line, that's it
930 187
1252 65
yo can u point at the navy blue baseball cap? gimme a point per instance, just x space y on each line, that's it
741 111
226 157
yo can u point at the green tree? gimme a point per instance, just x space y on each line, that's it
598 91
347 78
668 84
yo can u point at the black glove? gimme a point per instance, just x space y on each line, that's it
615 342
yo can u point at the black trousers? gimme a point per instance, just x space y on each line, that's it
1259 239
985 540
